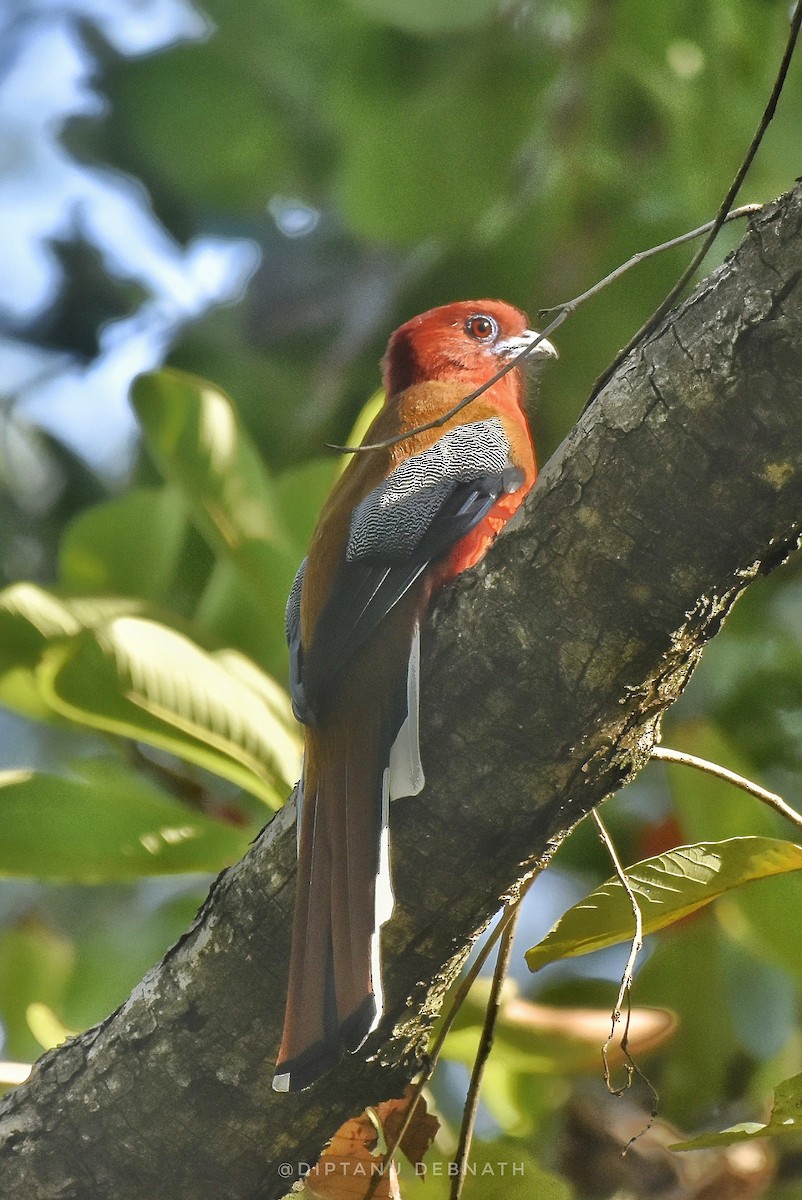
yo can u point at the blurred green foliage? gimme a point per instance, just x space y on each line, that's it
385 156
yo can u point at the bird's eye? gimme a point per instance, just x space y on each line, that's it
481 328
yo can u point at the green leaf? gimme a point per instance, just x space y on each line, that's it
196 438
75 660
127 546
192 431
301 493
31 620
35 966
365 418
194 434
704 1042
275 698
139 679
107 823
119 931
668 888
786 1118
230 614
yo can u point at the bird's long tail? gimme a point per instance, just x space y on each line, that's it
365 753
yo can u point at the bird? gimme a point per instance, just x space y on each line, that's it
402 520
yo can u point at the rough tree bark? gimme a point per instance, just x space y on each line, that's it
546 672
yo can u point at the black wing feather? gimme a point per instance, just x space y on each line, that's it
365 591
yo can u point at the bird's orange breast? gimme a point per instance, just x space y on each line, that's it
472 548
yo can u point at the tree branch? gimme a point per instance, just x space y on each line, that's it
546 671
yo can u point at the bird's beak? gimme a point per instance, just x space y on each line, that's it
541 347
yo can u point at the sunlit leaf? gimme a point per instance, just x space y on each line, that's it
668 888
45 1026
367 416
786 1118
105 823
41 616
141 680
275 698
31 619
146 681
194 435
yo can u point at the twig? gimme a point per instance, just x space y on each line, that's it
483 1053
463 403
563 312
721 216
702 764
624 991
456 1004
625 994
746 210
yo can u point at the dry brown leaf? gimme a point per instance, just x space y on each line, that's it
419 1134
355 1153
348 1164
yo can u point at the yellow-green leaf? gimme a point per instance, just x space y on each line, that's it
667 888
192 430
105 823
139 679
127 546
31 620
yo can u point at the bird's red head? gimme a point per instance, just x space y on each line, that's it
462 342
